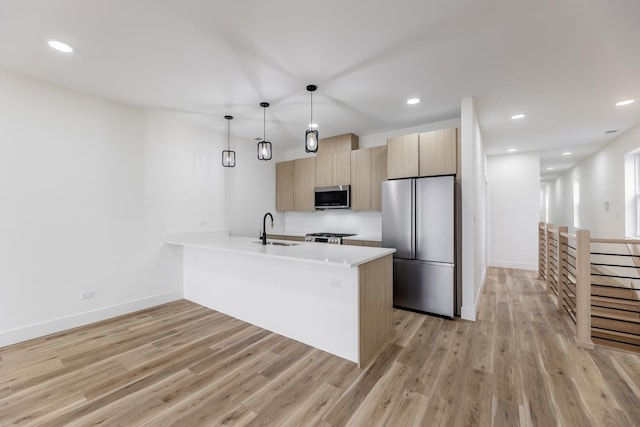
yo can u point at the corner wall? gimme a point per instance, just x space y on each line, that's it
89 189
474 215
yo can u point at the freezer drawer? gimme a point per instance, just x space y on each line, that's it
424 286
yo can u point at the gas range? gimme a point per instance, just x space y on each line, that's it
334 238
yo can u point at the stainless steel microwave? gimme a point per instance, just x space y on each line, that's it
336 197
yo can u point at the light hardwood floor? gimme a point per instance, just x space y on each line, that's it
182 364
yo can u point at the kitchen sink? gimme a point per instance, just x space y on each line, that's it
278 243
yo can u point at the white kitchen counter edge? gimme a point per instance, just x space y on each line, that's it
317 253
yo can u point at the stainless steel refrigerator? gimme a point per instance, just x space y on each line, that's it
418 217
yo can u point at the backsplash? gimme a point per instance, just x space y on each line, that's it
367 224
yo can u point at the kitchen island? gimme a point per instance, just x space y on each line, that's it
333 297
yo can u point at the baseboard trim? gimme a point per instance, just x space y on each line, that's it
63 323
513 265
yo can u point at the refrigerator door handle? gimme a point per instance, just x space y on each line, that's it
413 219
437 264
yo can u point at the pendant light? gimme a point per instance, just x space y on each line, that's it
228 156
264 146
311 135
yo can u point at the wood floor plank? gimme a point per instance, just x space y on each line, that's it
624 395
476 409
437 354
384 397
536 394
351 399
310 412
505 413
183 364
482 346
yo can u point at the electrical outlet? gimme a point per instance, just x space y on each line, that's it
335 283
88 295
203 223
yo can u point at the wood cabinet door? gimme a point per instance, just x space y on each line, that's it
284 186
324 170
304 181
403 156
378 174
341 168
361 180
438 153
333 169
339 143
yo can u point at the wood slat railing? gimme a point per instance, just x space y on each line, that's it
596 282
615 282
542 251
552 260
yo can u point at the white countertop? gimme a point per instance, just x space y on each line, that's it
320 253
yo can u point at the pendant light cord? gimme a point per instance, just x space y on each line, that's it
264 124
311 122
228 134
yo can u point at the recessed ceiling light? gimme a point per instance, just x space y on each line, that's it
518 116
625 102
313 125
567 153
412 101
512 150
550 168
59 46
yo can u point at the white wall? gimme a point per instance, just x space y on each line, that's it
89 189
474 225
514 210
251 191
602 180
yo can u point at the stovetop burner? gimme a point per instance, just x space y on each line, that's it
335 238
340 235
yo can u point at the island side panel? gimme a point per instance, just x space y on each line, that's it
311 303
376 306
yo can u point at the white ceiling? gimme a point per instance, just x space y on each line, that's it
563 62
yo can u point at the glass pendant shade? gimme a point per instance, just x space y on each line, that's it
264 146
311 141
228 156
264 150
311 135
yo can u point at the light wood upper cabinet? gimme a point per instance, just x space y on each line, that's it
333 169
341 168
304 181
284 186
403 156
333 162
378 174
368 170
425 154
438 153
361 180
338 144
296 179
324 170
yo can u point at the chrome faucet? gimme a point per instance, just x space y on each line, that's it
264 227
